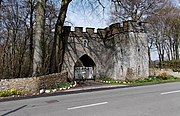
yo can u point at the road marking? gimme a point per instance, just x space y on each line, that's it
90 105
170 92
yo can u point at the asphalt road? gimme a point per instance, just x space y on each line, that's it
153 100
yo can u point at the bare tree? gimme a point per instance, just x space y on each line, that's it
14 39
28 47
32 8
174 24
39 38
136 10
163 31
0 3
59 42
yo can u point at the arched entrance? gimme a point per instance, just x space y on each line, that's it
84 68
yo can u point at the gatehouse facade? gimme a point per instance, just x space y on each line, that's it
119 51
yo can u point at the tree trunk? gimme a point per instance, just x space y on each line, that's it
149 54
39 38
31 39
58 47
0 3
176 47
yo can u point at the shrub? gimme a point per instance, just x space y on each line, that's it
164 76
10 92
64 85
172 64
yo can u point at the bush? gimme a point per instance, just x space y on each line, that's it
64 85
10 92
172 64
164 76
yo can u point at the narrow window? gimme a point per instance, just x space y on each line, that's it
121 51
139 70
138 49
85 43
122 70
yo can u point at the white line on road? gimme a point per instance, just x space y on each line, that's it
90 105
170 92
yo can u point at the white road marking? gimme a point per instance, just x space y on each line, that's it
90 105
170 92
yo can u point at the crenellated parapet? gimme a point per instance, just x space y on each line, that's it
127 26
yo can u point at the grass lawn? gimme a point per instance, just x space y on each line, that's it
153 81
143 81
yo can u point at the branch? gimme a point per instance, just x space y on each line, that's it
101 4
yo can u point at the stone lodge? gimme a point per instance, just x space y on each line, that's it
118 51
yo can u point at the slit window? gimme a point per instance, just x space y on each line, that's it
138 49
85 43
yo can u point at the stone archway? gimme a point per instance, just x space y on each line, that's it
85 61
84 68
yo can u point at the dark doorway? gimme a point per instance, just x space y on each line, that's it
84 68
85 61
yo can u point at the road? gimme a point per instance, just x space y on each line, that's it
152 100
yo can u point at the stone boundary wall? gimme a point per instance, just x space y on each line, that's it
156 72
33 84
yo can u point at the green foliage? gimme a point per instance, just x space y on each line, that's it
172 64
10 92
164 77
106 79
64 85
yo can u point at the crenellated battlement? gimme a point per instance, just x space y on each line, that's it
127 26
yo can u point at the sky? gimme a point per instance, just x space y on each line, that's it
89 18
95 19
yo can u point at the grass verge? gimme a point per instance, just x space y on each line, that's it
143 81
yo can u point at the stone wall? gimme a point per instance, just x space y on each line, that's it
156 72
33 84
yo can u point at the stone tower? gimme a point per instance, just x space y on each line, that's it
118 51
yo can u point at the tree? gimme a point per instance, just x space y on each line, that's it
59 42
173 21
14 39
136 10
31 17
164 32
39 49
0 2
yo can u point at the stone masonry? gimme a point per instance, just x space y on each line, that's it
33 84
118 51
